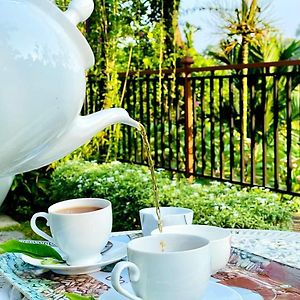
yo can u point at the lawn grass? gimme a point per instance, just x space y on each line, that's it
25 228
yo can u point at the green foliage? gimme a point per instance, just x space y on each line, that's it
124 185
73 296
30 249
125 35
129 189
270 48
29 193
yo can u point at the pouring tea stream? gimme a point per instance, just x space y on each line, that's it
43 59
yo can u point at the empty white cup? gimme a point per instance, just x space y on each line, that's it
218 237
169 216
180 271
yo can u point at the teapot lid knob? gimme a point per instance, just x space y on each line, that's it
79 10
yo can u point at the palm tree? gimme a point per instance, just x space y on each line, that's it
243 28
271 48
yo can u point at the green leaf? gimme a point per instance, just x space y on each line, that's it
73 296
30 249
50 261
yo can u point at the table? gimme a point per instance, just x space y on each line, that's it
257 255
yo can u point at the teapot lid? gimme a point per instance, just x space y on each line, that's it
58 16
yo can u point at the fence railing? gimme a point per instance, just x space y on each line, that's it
194 116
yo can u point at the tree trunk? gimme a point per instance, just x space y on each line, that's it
170 20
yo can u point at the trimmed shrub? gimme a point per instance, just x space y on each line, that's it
129 188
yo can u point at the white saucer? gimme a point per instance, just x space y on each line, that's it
214 291
115 253
248 294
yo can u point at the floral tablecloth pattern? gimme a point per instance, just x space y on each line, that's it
264 262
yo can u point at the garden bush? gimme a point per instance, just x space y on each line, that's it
28 194
129 189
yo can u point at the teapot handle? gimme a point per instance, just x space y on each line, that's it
79 10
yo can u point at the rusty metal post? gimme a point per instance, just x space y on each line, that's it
189 120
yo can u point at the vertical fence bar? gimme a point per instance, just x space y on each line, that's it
123 105
170 123
252 133
276 136
133 112
195 125
99 100
221 128
87 96
289 133
203 133
242 138
264 138
148 105
155 81
177 116
188 104
162 124
212 125
231 127
91 100
141 103
128 96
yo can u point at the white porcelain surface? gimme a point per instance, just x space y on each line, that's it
81 237
247 294
43 60
169 216
219 241
5 184
214 291
79 10
179 272
117 252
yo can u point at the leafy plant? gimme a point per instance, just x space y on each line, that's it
73 296
129 189
29 193
243 28
32 249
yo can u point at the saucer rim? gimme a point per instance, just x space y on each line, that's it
64 267
108 295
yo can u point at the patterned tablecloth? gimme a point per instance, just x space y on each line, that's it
264 263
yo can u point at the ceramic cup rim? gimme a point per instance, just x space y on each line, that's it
225 234
133 244
176 210
98 202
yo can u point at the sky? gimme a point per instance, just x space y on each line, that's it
284 15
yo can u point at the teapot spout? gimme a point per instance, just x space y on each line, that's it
82 129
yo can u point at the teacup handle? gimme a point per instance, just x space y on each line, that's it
116 274
39 231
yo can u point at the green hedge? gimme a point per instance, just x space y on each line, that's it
129 189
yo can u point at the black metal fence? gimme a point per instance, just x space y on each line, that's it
193 118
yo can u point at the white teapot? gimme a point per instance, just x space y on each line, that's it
43 59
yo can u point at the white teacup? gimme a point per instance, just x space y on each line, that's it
169 215
80 228
179 272
219 241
